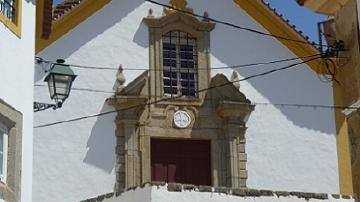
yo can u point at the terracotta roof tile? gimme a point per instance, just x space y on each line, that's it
47 23
64 7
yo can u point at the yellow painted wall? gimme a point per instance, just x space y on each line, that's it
343 148
346 24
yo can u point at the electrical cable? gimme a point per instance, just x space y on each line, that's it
245 65
41 60
333 74
202 90
235 26
80 89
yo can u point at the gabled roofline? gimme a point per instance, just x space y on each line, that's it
257 9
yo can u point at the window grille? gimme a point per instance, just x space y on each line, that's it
179 64
7 8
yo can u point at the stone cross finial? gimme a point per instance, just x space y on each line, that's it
178 4
235 79
120 79
206 17
150 14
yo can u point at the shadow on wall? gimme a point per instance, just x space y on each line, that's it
106 18
101 143
141 36
298 85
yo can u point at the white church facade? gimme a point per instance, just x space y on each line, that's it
163 96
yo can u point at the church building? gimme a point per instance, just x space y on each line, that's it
219 96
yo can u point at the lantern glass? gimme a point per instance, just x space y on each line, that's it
60 81
51 86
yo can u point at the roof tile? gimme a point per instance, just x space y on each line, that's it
65 7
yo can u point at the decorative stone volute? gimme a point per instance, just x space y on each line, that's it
178 4
120 79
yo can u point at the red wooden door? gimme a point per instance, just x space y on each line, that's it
182 161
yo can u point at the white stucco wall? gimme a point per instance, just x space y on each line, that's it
16 83
161 194
288 148
140 194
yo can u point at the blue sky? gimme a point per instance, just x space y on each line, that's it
304 19
57 1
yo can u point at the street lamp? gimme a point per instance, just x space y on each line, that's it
59 79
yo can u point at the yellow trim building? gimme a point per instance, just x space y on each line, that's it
15 26
346 25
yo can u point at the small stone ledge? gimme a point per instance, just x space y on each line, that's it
266 193
308 196
241 192
336 196
158 184
203 188
346 197
174 187
189 187
223 190
282 193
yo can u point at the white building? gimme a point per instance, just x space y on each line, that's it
17 39
287 148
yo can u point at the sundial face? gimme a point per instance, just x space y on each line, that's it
182 119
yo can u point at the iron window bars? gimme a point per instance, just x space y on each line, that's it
179 64
7 8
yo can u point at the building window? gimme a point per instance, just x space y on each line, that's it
10 15
3 152
7 8
10 152
179 47
179 64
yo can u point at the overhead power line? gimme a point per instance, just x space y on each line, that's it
203 90
236 26
39 59
80 89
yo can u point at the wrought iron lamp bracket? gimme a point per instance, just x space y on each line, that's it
39 106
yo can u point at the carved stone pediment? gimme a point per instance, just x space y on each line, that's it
228 100
222 89
179 18
134 94
137 86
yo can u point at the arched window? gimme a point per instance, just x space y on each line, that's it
180 64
